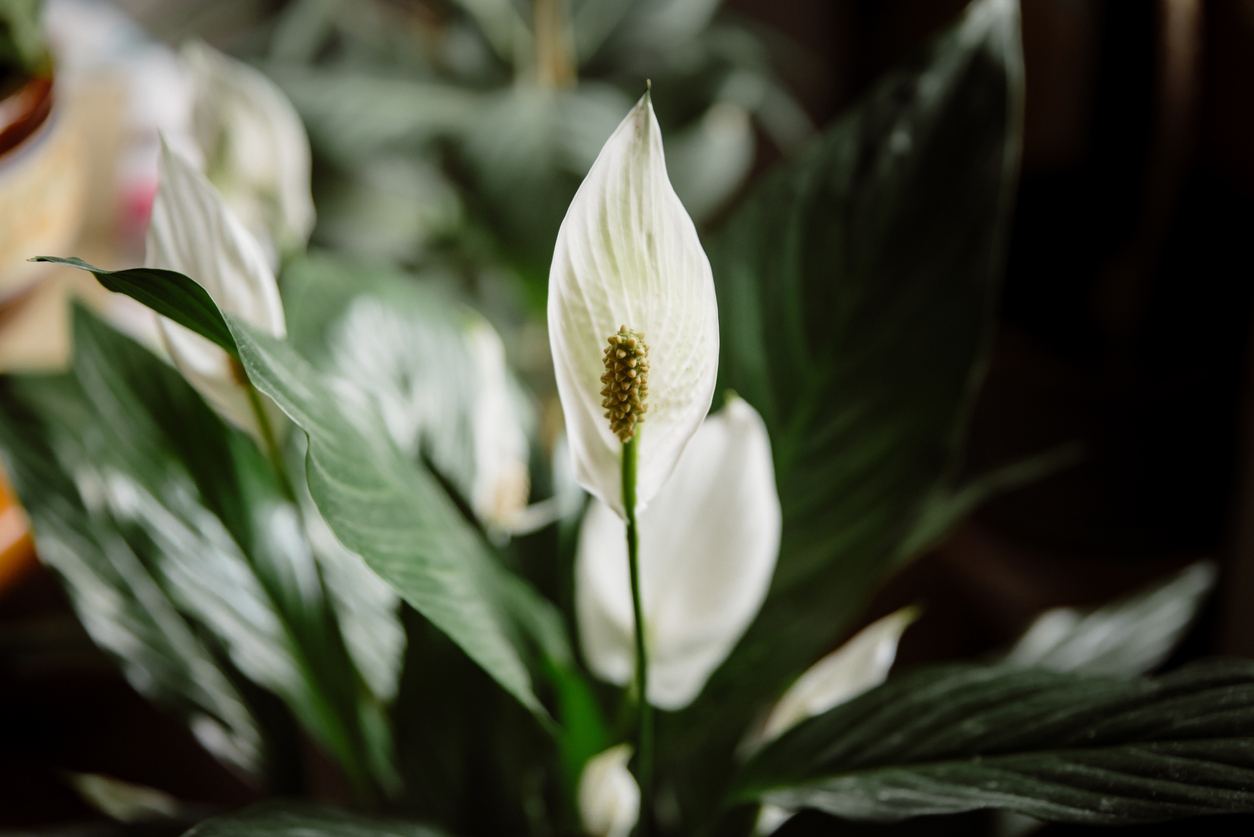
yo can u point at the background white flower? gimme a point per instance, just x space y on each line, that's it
502 479
628 254
194 232
255 148
609 798
708 546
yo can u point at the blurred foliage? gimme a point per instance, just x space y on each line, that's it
456 132
23 47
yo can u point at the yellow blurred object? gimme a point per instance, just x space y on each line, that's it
43 194
34 311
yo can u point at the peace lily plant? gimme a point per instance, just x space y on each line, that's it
320 523
634 396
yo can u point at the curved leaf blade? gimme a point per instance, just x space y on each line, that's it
287 819
394 514
1052 745
168 292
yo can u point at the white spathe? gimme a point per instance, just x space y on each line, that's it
628 254
255 148
502 479
193 232
708 546
609 798
860 664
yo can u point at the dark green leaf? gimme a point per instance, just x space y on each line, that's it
167 292
1056 746
947 507
286 819
855 298
856 290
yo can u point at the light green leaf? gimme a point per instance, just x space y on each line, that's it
352 116
393 513
1130 636
397 345
1056 746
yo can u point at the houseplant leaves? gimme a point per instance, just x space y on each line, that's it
1057 746
182 523
393 513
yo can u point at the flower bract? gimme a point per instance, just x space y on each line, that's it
708 546
628 257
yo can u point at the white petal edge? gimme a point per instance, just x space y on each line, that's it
193 232
255 147
628 254
609 798
860 664
708 546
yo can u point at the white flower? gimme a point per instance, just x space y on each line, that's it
502 479
193 232
860 664
255 148
628 254
708 546
609 798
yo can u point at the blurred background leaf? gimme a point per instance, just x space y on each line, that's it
1133 635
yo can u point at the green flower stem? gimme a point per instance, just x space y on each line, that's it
644 752
269 441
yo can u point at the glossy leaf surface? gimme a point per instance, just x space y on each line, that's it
1056 746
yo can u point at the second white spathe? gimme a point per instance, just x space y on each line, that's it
708 545
627 254
255 148
194 232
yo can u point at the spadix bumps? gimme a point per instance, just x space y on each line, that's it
626 382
